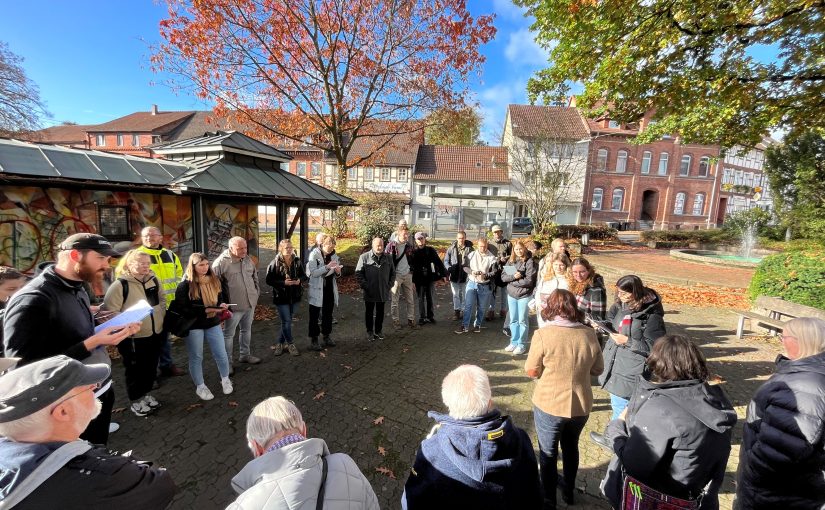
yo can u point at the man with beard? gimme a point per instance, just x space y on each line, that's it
43 408
51 316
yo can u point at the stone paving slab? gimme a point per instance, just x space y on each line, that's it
343 392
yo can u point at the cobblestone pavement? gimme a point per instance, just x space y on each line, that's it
360 396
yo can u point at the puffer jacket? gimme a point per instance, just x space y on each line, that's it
289 478
623 364
455 270
316 271
151 289
524 286
276 273
482 463
782 459
675 438
375 275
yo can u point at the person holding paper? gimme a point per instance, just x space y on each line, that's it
323 270
520 276
51 316
137 285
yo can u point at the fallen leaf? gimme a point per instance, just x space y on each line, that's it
386 471
405 349
322 354
320 395
382 451
232 403
347 367
378 421
194 406
264 313
117 410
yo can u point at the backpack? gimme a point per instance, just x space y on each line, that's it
125 286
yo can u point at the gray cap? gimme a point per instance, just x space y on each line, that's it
32 387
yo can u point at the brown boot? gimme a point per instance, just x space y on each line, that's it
491 315
457 315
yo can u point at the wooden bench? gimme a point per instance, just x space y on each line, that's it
779 312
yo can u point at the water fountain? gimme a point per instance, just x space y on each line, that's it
746 256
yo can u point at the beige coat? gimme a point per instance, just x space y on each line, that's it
564 358
152 324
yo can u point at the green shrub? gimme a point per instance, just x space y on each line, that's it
682 238
739 221
797 276
374 223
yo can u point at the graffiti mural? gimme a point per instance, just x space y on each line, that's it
225 221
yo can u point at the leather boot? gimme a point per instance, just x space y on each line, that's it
456 315
313 346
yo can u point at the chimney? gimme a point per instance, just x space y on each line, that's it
154 109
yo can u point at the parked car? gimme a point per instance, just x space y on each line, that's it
522 225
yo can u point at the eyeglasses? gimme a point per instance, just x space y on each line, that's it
92 387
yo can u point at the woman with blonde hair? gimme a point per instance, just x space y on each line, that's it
782 459
202 297
553 276
285 275
140 353
520 276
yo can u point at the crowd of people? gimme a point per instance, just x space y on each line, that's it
669 434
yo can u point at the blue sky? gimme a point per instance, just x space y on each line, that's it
90 58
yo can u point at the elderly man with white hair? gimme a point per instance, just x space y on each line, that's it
474 457
291 470
44 406
236 269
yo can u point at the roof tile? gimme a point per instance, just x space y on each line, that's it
556 122
462 163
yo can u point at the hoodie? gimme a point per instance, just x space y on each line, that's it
675 438
479 463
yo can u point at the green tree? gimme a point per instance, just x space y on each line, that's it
796 172
693 62
453 127
20 106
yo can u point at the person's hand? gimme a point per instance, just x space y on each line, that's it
623 414
112 335
223 306
619 339
518 275
332 265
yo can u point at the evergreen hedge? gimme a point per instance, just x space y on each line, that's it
797 276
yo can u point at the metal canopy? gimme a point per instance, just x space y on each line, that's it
226 141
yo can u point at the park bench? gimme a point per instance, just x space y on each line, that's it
778 312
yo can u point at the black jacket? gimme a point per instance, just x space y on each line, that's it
782 459
623 364
455 270
426 267
50 316
502 250
96 479
188 307
675 438
524 286
375 275
276 273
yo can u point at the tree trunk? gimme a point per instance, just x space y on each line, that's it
339 224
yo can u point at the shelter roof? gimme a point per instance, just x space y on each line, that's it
228 141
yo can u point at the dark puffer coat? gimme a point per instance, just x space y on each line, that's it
524 286
675 438
782 460
276 274
623 364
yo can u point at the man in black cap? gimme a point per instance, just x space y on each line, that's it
51 316
44 406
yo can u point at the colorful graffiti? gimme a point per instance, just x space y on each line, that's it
225 221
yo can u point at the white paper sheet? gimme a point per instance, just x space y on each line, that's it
135 313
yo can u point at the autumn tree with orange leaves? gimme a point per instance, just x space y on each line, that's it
325 73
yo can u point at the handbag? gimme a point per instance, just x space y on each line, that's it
177 324
638 496
225 314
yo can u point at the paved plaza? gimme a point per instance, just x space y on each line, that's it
370 400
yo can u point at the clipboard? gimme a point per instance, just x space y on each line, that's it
604 327
135 313
509 270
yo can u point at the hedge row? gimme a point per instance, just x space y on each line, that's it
797 276
685 237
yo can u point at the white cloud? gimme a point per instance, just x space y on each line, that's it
493 103
523 50
507 9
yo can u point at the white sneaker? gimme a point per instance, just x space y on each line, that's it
151 401
203 392
113 427
227 385
510 347
520 349
140 408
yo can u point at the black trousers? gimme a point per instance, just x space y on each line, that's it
98 430
140 360
425 292
374 316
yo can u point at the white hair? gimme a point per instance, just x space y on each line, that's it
272 417
146 230
809 333
319 237
466 392
34 428
236 241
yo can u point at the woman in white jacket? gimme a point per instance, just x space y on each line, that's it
323 270
552 276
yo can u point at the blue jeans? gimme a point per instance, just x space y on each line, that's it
618 404
519 326
285 312
478 295
244 318
165 362
550 431
459 290
194 346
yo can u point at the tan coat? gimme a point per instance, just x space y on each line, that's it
564 358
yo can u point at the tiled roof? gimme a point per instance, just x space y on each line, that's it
401 150
462 163
143 122
596 127
60 134
553 122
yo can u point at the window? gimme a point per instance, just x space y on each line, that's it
704 165
618 199
432 189
114 222
100 140
494 191
598 195
491 217
422 190
646 157
613 124
484 190
385 174
699 204
135 140
601 160
301 168
663 163
621 162
457 190
156 139
120 140
402 174
749 179
679 206
368 174
352 172
425 215
315 169
684 167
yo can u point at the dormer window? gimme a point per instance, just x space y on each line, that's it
478 164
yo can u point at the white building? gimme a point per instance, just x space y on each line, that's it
744 183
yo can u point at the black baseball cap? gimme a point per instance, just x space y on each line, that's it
88 241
